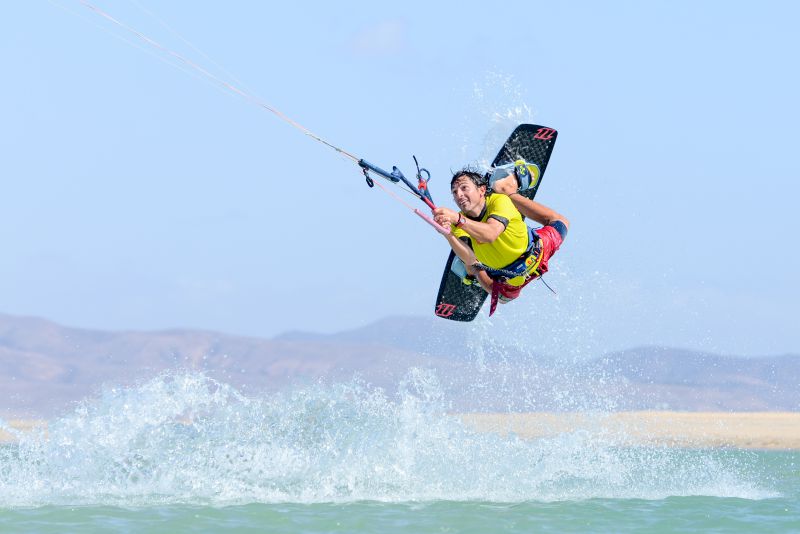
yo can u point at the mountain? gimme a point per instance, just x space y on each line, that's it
416 334
45 368
661 377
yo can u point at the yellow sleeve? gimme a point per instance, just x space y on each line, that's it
458 232
501 206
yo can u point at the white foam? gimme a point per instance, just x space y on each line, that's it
184 438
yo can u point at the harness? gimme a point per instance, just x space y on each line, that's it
522 271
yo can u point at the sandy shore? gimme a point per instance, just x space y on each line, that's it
746 430
19 425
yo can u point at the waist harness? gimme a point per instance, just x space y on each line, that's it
509 281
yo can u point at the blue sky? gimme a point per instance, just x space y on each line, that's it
136 195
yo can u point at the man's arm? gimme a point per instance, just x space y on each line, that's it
462 250
536 211
529 208
479 231
467 255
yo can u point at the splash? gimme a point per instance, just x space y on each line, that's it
185 438
498 104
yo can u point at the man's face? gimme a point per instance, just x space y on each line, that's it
468 196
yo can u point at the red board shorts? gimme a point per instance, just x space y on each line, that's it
551 237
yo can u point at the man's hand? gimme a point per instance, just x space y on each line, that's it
445 216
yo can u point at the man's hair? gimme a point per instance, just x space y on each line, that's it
472 173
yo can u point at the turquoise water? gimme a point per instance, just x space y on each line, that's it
185 453
674 514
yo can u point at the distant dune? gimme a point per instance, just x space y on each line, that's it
45 368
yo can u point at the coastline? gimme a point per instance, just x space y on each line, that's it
741 430
20 425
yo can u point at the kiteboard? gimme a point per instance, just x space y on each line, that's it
456 300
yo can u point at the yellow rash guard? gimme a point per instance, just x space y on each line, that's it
510 244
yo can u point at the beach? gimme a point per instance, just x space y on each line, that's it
20 425
742 430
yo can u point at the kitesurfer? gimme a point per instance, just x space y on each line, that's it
490 237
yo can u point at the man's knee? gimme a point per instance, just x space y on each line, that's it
561 226
506 186
563 221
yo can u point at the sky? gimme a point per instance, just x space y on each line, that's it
138 195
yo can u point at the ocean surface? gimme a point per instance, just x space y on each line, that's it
184 453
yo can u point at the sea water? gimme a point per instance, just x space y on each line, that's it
183 452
